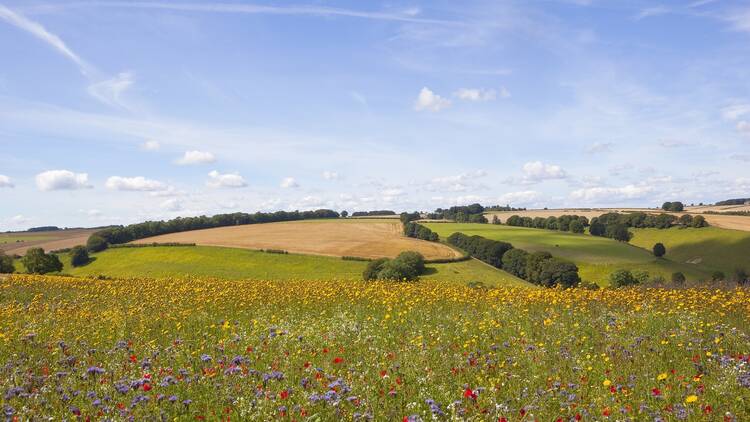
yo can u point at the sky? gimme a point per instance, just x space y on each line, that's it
115 112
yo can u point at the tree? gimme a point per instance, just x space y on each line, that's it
534 266
673 206
622 278
397 270
373 269
685 220
96 243
597 228
37 262
514 262
678 278
344 214
618 232
699 221
495 220
413 259
79 256
576 226
6 264
718 276
740 276
659 250
556 272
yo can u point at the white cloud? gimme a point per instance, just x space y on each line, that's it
536 171
600 147
391 192
151 146
611 194
480 94
743 126
428 100
61 180
138 183
228 180
110 91
520 198
735 111
19 219
172 204
196 157
674 143
5 182
331 175
41 33
167 192
651 11
289 182
740 20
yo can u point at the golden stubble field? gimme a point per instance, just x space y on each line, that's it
735 222
18 243
362 238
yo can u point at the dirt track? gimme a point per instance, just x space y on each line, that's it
371 239
735 222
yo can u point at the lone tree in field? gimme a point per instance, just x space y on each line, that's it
344 214
79 256
659 250
6 264
38 262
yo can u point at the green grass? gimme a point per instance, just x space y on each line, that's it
711 248
13 238
596 257
232 263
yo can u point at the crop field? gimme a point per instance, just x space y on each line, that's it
18 243
710 247
596 257
373 238
322 350
732 222
233 263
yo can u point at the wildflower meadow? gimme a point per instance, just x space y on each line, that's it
206 349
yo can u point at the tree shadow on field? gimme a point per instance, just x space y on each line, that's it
715 254
430 271
91 259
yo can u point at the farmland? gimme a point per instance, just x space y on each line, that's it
234 263
370 238
18 243
596 257
325 350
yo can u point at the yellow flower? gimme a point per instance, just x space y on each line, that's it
607 383
662 376
691 399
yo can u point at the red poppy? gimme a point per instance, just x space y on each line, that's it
502 419
383 373
606 412
469 394
338 360
655 391
284 394
146 387
133 358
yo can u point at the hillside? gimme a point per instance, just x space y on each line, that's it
596 257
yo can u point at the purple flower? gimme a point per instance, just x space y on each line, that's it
95 370
205 358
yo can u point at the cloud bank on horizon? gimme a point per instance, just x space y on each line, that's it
198 107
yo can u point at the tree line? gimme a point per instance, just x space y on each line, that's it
124 234
539 268
461 214
676 206
572 223
373 213
418 231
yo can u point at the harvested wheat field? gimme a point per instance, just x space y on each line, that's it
18 242
370 239
734 222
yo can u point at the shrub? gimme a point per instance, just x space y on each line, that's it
412 259
96 243
659 250
718 276
396 270
514 262
495 220
37 262
79 256
6 264
556 272
622 278
373 268
685 220
699 221
678 278
740 276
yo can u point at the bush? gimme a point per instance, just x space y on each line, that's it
740 276
514 262
79 256
673 206
6 264
373 268
96 243
699 221
37 262
659 250
718 276
412 259
622 278
556 272
678 278
395 270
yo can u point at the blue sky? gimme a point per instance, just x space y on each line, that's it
121 111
